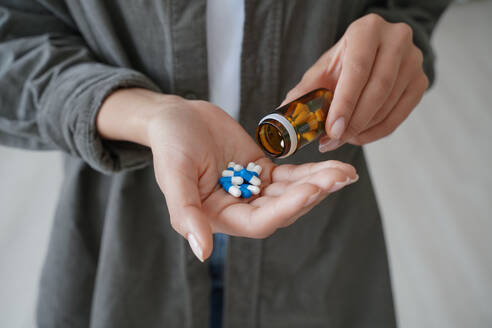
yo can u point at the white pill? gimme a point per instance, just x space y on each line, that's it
257 169
234 191
227 173
231 164
238 167
255 181
255 190
251 166
237 180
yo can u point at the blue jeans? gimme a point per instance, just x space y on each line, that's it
217 262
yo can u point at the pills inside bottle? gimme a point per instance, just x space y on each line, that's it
294 125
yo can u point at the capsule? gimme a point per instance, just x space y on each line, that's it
255 190
250 177
233 180
245 192
254 168
231 189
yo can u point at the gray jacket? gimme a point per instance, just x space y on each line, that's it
114 259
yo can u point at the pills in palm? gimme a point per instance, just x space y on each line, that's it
241 182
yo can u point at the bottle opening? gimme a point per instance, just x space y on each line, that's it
271 139
276 136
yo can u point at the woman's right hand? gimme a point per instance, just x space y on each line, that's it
192 142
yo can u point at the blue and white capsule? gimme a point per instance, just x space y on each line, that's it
255 190
245 192
232 180
230 173
250 177
231 166
258 169
231 189
254 168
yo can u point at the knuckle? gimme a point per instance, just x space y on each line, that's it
380 116
356 140
347 104
425 81
356 126
175 223
175 99
419 56
373 19
403 30
383 84
388 127
361 65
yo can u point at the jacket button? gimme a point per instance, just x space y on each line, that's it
190 95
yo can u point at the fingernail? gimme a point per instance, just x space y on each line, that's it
330 145
337 128
312 199
195 247
355 179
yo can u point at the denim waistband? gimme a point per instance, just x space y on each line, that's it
216 265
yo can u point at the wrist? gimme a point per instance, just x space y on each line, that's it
127 114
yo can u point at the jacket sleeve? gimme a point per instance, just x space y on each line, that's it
422 16
51 88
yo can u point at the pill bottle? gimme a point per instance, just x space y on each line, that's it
292 126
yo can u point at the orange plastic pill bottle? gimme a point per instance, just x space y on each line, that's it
294 125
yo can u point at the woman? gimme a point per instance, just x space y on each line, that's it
113 85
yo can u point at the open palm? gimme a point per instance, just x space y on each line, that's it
193 142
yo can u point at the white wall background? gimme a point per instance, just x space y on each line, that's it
432 178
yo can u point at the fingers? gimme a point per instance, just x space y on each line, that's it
288 172
260 222
361 46
410 98
179 184
381 82
406 74
325 179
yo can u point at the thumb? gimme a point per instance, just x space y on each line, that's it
323 74
179 184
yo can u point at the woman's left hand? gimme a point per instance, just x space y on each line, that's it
377 74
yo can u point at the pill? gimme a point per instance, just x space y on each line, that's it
258 169
233 180
229 173
245 192
249 177
253 173
231 189
231 164
254 169
255 190
238 167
